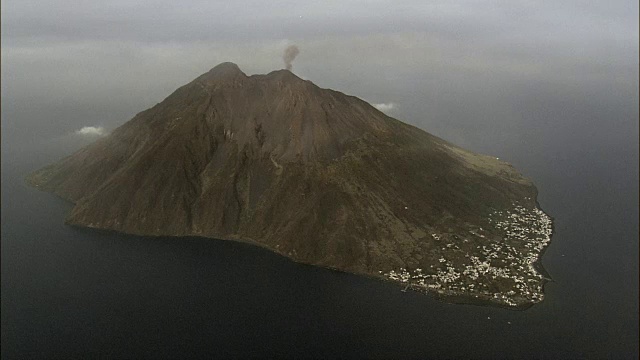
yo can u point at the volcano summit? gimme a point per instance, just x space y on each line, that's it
317 176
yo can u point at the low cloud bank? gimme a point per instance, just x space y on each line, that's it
384 107
91 131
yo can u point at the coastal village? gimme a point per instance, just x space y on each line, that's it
495 264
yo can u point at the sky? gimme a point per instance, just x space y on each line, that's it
494 76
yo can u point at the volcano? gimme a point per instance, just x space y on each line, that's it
318 176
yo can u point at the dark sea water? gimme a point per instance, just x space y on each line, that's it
73 293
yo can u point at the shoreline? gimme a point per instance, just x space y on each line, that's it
453 298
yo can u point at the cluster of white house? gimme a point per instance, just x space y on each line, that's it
509 261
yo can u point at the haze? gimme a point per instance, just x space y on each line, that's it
461 70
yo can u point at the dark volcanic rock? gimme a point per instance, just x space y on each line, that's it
316 175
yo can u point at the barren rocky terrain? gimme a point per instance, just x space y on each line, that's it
315 175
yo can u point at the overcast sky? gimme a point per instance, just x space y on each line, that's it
493 76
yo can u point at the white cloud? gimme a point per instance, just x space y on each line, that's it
385 107
92 131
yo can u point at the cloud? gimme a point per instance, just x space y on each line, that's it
385 107
91 131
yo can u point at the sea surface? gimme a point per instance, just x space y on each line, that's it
74 293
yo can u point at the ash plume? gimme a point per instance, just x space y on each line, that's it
289 55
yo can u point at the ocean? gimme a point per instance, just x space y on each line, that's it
76 293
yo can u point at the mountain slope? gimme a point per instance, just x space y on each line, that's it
316 175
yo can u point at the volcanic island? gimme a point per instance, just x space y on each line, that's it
317 176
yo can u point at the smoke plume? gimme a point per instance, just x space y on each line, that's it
289 55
